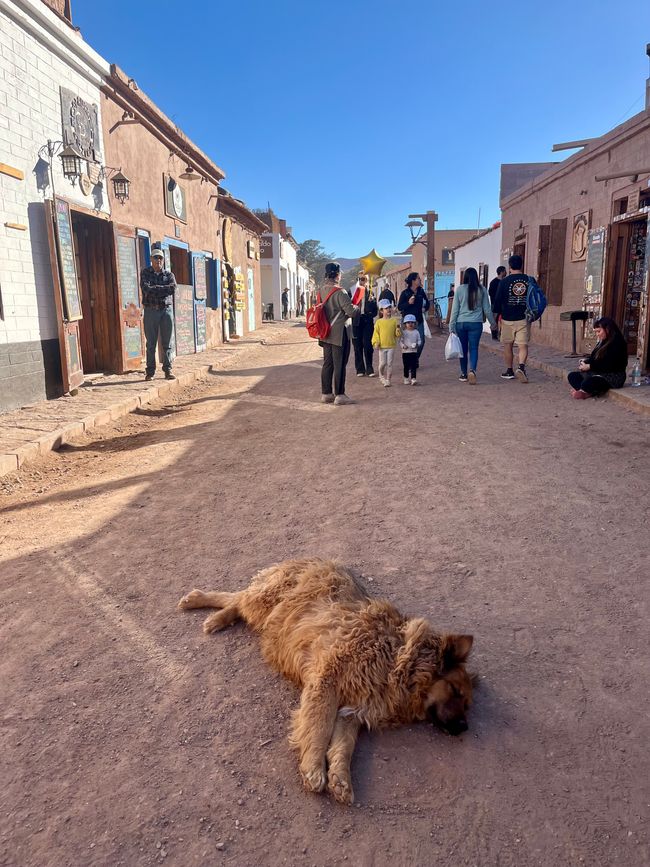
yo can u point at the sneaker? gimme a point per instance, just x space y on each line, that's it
327 398
520 373
407 381
342 400
149 377
414 382
471 377
372 373
169 375
509 374
462 378
581 395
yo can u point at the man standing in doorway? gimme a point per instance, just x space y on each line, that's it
285 304
492 292
510 303
158 286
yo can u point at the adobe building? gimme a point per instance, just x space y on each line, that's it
582 229
92 174
482 252
280 267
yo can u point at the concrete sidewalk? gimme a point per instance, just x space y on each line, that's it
38 428
555 364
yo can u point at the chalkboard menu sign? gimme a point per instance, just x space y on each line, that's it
594 271
68 268
200 279
200 317
184 316
128 268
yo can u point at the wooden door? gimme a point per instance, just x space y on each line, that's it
86 329
129 310
64 279
556 256
200 279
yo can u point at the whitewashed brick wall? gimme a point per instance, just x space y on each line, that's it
35 60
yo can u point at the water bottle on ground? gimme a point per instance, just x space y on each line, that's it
635 378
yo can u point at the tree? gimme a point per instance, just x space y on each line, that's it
313 256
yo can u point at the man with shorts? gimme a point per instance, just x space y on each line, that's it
510 305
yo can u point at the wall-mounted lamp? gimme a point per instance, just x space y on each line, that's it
189 174
71 162
121 183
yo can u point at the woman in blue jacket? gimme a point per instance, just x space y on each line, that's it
469 311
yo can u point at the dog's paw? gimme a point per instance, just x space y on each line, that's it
340 788
214 622
195 599
314 779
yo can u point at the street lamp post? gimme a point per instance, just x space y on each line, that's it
430 219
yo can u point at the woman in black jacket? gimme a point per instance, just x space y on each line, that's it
605 367
414 300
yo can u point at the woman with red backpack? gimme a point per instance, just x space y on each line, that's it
333 335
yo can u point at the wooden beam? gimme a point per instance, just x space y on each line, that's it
570 145
12 172
630 173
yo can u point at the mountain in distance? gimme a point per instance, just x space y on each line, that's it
347 264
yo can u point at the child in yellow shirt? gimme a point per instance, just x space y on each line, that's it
384 338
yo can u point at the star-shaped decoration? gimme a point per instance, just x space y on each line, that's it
372 263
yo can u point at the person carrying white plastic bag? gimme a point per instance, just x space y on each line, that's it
453 348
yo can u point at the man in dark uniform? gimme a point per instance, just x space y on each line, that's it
158 286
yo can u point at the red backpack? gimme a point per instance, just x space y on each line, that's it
318 325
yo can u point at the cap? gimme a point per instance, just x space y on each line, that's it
157 254
409 318
385 302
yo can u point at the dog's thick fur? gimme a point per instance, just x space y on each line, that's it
357 660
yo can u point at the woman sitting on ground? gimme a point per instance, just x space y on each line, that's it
605 367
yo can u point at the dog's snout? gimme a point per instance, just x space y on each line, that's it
457 727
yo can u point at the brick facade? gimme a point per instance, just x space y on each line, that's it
39 53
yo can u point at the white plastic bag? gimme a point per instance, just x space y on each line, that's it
453 349
427 330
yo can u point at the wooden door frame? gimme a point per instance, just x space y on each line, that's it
126 316
71 380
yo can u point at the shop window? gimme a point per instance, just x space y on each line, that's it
483 274
620 206
180 265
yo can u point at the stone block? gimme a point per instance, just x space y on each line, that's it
27 452
50 442
72 431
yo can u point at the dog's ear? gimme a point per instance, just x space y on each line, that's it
456 650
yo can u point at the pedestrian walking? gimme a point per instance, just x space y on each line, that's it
450 301
384 338
336 346
471 308
301 312
413 301
510 304
158 286
362 327
605 367
492 291
410 342
285 304
387 293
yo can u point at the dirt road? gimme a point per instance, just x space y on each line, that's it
504 510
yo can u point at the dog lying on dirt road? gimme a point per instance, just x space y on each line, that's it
357 660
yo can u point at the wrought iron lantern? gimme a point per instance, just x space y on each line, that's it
71 162
415 228
120 186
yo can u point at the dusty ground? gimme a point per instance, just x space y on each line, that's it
506 510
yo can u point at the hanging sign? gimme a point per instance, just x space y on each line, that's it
184 319
594 272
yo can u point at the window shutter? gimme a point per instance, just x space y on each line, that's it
556 255
543 245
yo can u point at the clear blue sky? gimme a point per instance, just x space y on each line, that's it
348 115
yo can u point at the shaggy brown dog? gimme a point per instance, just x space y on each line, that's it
357 660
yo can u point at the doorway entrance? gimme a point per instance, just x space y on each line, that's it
93 248
625 286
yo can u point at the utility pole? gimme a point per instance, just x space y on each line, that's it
430 219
